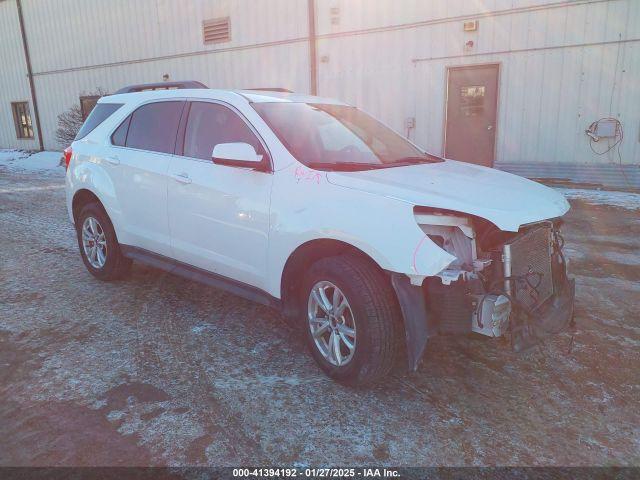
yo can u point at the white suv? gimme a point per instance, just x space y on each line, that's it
368 243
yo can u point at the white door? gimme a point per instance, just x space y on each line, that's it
219 215
145 142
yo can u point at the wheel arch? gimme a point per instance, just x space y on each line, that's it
81 198
303 257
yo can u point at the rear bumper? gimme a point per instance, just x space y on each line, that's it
69 198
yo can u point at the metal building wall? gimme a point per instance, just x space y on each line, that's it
110 44
562 65
560 62
14 86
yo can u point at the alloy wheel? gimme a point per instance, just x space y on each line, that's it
94 242
332 324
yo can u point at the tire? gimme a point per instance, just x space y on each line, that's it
372 311
111 265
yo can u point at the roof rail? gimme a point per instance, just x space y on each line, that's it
273 89
161 86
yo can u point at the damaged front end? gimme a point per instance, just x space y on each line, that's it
501 284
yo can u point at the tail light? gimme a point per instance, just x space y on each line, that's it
67 156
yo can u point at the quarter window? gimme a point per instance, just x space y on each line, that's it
22 119
119 137
99 114
154 126
210 124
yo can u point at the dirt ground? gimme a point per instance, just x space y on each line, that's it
156 370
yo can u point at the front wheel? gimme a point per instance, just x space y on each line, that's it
352 319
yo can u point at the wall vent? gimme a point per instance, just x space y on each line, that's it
470 26
216 30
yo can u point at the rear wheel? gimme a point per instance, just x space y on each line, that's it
352 319
98 244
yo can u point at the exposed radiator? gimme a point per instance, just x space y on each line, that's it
529 257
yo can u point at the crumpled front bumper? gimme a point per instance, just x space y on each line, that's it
554 316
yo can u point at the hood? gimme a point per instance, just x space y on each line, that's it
508 201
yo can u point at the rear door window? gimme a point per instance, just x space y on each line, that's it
210 124
154 127
99 114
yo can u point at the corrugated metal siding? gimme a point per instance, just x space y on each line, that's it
13 77
236 69
611 174
98 32
557 72
560 61
110 44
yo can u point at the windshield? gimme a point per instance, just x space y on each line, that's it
332 137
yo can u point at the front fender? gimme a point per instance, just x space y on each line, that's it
305 207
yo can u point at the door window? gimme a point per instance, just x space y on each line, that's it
210 124
154 126
472 100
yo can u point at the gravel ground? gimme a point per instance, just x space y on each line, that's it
156 370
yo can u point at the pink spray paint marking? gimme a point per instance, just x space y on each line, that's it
415 254
302 173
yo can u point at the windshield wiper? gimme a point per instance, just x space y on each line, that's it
428 158
345 166
357 166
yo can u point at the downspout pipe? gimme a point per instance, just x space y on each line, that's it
32 87
313 53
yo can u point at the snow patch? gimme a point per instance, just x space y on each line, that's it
627 200
11 155
200 328
260 381
41 162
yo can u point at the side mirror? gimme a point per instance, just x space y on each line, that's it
236 155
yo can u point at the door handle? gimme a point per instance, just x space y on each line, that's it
489 127
182 177
113 160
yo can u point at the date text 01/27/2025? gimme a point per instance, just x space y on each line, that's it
315 472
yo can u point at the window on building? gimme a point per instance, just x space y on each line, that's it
22 119
216 30
154 127
210 124
87 103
